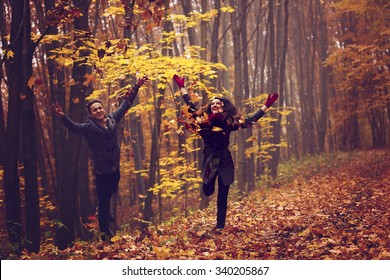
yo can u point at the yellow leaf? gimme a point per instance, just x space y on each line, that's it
115 238
161 85
31 82
89 79
72 82
10 54
161 253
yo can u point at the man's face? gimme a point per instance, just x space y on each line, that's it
97 112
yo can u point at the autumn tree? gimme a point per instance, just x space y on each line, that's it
360 70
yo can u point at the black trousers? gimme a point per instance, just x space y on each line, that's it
223 191
106 186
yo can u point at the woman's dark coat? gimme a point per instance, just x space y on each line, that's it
215 133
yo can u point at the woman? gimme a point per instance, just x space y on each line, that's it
215 124
100 132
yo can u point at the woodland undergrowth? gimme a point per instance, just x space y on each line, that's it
330 207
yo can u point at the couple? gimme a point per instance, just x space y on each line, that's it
100 133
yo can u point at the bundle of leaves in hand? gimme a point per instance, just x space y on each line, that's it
194 122
200 120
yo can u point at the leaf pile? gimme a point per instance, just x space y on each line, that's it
341 213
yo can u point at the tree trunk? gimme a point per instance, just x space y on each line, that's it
4 42
154 160
283 43
11 176
67 203
236 29
85 206
57 94
156 139
215 40
29 143
204 200
324 74
293 139
273 80
309 60
304 55
247 133
187 9
136 133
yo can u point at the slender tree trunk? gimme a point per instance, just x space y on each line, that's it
236 29
155 151
154 159
309 60
11 176
204 200
29 142
215 39
187 9
324 74
273 77
282 76
4 42
85 205
136 133
67 203
57 94
293 140
249 161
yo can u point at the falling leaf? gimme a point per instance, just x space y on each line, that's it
72 82
31 82
10 54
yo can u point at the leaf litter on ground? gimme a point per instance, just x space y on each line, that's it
339 212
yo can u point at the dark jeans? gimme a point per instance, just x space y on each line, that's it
106 186
223 191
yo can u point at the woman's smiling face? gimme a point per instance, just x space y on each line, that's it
216 106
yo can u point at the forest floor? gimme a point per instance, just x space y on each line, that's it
330 211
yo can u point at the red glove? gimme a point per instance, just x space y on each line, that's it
179 81
271 99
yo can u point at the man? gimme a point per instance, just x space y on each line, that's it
100 132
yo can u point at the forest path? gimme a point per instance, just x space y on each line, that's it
338 213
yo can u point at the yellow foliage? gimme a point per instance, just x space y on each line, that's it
228 9
112 11
48 38
358 7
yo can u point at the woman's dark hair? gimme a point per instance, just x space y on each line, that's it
228 108
89 104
